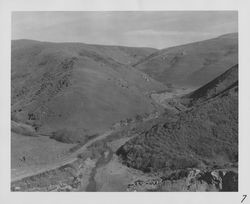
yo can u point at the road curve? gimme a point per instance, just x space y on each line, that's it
61 162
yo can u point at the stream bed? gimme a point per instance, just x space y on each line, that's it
103 160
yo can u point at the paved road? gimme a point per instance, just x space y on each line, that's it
20 174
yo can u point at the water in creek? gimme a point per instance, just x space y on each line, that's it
91 187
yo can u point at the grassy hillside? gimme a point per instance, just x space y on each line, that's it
194 64
121 54
221 84
204 135
79 88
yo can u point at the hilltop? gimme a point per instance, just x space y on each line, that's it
193 64
77 88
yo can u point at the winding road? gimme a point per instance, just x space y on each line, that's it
20 174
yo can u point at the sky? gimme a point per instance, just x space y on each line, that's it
158 29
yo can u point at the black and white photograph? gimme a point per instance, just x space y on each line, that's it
114 101
124 101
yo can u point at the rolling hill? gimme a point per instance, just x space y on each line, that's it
193 64
205 135
77 88
216 87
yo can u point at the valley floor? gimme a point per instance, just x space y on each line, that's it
101 172
96 167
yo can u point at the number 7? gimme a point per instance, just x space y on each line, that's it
244 197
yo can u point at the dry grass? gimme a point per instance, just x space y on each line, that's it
28 152
193 64
76 86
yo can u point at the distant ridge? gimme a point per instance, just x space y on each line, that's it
83 43
192 64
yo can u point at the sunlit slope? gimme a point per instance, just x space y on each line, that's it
193 64
216 87
78 87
